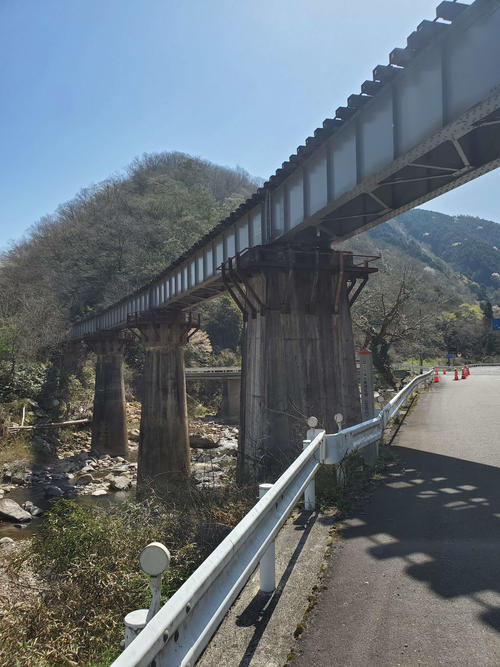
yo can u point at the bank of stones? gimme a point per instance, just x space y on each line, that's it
81 472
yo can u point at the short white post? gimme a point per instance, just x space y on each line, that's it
339 419
310 490
312 432
267 562
135 621
154 560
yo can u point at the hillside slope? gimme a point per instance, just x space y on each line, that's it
110 239
446 272
468 246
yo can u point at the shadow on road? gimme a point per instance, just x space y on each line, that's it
258 613
442 517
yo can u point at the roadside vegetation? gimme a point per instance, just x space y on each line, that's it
82 568
86 563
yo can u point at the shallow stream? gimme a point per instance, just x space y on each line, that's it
22 531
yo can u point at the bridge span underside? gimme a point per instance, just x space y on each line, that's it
428 122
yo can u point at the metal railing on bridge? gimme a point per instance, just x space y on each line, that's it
180 631
212 372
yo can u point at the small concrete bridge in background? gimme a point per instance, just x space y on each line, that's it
231 388
428 121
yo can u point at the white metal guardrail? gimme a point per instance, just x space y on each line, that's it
179 632
487 365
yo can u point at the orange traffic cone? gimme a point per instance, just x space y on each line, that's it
444 371
464 374
456 375
436 375
467 371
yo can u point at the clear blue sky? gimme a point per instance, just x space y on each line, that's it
87 85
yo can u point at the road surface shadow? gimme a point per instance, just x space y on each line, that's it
442 516
260 609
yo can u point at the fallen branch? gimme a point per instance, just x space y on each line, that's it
49 425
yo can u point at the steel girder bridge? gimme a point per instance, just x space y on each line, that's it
427 122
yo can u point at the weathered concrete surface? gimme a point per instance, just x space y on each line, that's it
109 421
298 360
231 396
259 628
415 578
164 455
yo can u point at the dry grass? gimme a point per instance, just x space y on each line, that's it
89 558
14 447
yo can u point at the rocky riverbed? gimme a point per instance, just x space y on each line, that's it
73 470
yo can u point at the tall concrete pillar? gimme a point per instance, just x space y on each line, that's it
109 421
164 438
298 354
230 407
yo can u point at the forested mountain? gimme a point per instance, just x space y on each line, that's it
109 240
438 286
115 236
469 246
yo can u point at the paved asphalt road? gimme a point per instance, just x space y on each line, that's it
415 576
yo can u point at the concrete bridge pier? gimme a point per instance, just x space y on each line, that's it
164 437
109 421
231 397
298 354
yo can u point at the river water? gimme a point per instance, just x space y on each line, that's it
38 498
209 467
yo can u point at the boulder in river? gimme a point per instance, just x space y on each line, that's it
120 483
202 442
11 511
133 434
21 477
32 508
54 491
85 479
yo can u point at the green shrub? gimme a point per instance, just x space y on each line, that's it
23 381
89 559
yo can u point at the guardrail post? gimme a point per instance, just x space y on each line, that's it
267 562
312 433
310 490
